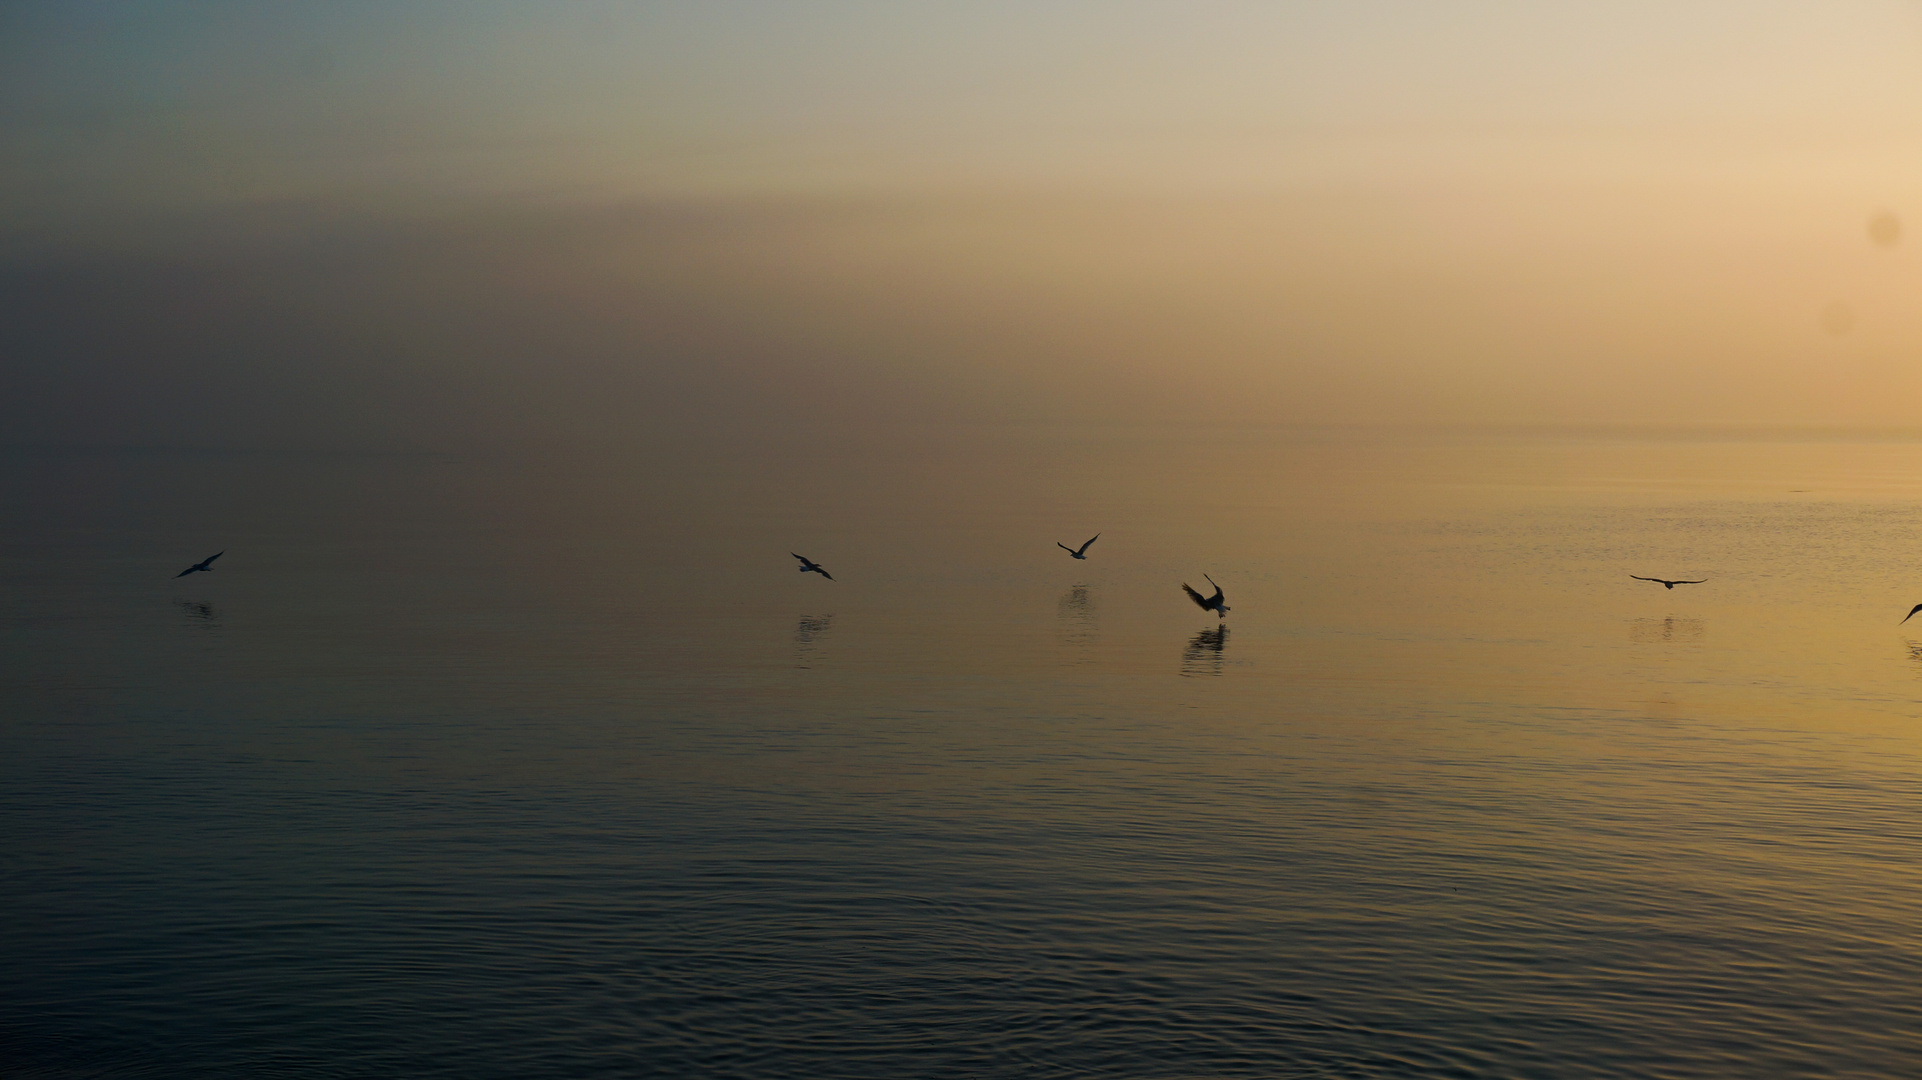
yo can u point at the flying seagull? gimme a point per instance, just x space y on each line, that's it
201 565
1212 603
1911 614
810 565
1666 584
1072 553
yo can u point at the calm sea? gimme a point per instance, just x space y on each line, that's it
554 765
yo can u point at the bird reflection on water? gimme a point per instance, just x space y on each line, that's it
1075 612
808 633
199 612
1915 656
1667 631
1203 656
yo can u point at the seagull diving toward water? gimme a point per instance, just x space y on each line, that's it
201 565
1911 614
1083 553
808 565
1212 603
1666 584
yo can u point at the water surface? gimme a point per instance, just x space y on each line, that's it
484 765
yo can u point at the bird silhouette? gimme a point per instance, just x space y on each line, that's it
1911 614
1665 583
201 565
1081 554
810 566
1212 603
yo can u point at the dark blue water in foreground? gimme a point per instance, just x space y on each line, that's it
422 783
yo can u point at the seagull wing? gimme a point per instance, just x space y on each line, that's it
1091 540
1688 582
1911 614
201 565
1639 577
824 573
1215 600
1195 596
1066 548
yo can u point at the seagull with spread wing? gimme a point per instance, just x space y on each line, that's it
1666 584
201 565
1212 603
810 566
1081 554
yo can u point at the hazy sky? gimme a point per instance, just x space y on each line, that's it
429 223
